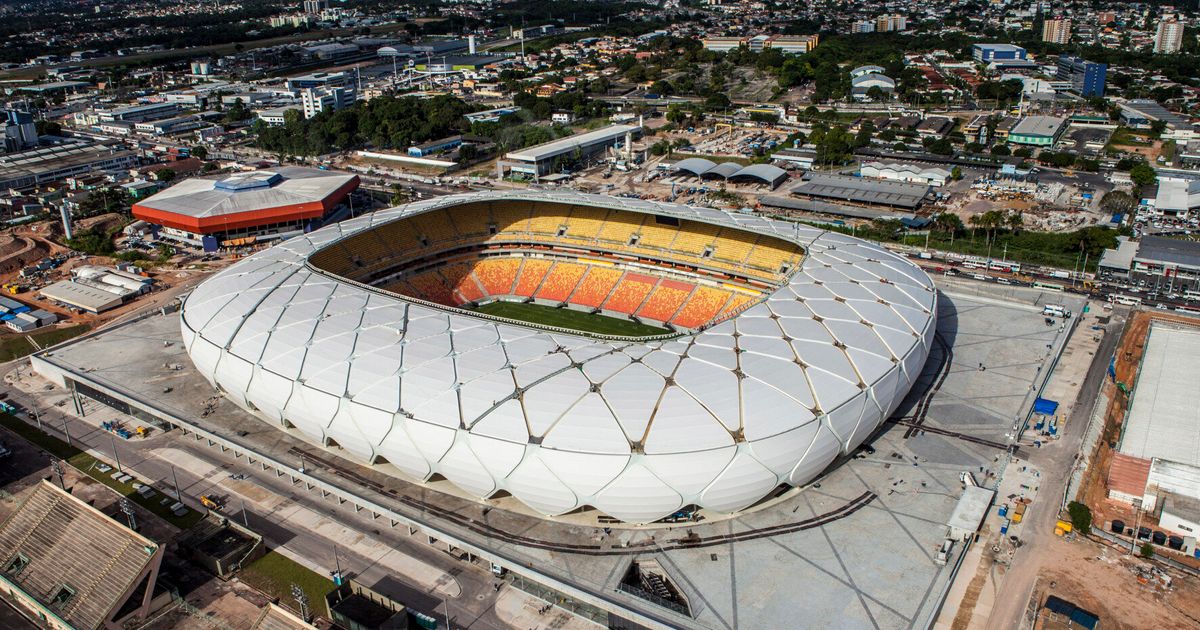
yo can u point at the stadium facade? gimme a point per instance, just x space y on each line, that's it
787 347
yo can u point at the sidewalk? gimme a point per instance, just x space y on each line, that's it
521 610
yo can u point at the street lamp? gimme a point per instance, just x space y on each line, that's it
57 467
127 508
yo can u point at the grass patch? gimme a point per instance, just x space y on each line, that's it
19 346
567 318
85 462
274 574
1123 136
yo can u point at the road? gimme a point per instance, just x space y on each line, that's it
205 471
1055 466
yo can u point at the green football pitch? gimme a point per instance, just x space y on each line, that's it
566 318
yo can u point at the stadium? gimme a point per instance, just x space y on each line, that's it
573 351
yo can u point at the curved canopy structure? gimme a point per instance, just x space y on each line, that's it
764 173
636 428
721 171
695 166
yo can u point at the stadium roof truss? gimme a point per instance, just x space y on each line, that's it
635 428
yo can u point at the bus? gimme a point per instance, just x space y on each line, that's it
1127 300
1004 266
1048 286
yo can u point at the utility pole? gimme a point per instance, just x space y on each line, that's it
66 431
178 495
115 455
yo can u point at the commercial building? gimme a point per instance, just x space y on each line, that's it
988 53
245 207
138 113
435 146
1056 30
26 169
789 44
1169 38
73 567
1177 197
540 160
316 80
1167 265
1087 77
1038 131
1116 263
313 101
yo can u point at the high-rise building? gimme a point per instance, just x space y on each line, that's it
862 26
1057 30
315 7
317 100
890 22
1169 38
1087 78
20 131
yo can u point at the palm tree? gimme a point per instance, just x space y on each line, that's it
1016 221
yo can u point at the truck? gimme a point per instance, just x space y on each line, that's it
1018 512
1056 310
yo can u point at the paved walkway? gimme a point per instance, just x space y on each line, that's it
992 588
522 610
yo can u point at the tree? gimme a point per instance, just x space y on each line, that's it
238 112
1081 517
1143 174
1147 551
716 102
199 152
956 173
48 128
1001 150
164 175
876 94
1118 202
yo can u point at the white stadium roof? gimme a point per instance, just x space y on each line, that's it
635 428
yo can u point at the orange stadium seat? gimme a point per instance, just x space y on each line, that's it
531 276
429 286
497 275
630 293
596 286
666 299
704 304
561 281
459 279
736 304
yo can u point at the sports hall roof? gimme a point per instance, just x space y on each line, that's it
247 199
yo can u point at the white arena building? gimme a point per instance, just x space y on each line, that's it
781 347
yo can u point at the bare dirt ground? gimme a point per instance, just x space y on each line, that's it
1104 581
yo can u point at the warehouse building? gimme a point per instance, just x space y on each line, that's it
97 289
36 167
988 53
246 207
902 172
864 192
1142 113
542 159
1177 197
